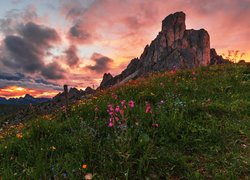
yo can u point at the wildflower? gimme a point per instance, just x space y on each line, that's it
114 96
110 110
111 124
116 118
148 108
117 109
65 174
123 102
193 73
53 148
155 125
194 78
131 104
84 166
88 176
19 135
96 109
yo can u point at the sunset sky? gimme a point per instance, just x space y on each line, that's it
45 44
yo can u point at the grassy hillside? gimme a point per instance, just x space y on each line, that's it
190 124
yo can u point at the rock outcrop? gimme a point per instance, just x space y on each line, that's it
74 94
174 47
217 59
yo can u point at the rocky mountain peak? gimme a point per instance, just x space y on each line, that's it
173 27
106 77
27 96
174 46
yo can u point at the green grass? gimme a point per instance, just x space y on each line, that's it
203 131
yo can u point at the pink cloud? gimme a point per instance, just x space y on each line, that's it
135 23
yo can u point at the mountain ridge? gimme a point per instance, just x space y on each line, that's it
27 99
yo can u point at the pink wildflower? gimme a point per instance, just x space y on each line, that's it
148 108
155 125
123 102
131 104
193 73
110 109
116 118
111 124
117 109
114 96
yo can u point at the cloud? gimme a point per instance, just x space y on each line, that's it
14 18
39 35
80 35
102 63
12 77
28 50
127 26
23 54
53 71
21 80
72 58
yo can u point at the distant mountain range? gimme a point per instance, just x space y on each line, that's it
27 99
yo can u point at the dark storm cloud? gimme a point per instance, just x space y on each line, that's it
26 52
38 34
72 58
18 79
12 77
102 63
53 71
23 54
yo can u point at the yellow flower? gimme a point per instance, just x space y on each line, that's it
53 148
84 166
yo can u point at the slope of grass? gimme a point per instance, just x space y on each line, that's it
190 124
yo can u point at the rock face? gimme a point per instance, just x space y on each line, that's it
106 77
74 94
216 59
174 47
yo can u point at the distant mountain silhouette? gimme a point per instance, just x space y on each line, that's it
27 99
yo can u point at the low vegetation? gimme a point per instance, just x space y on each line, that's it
190 124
